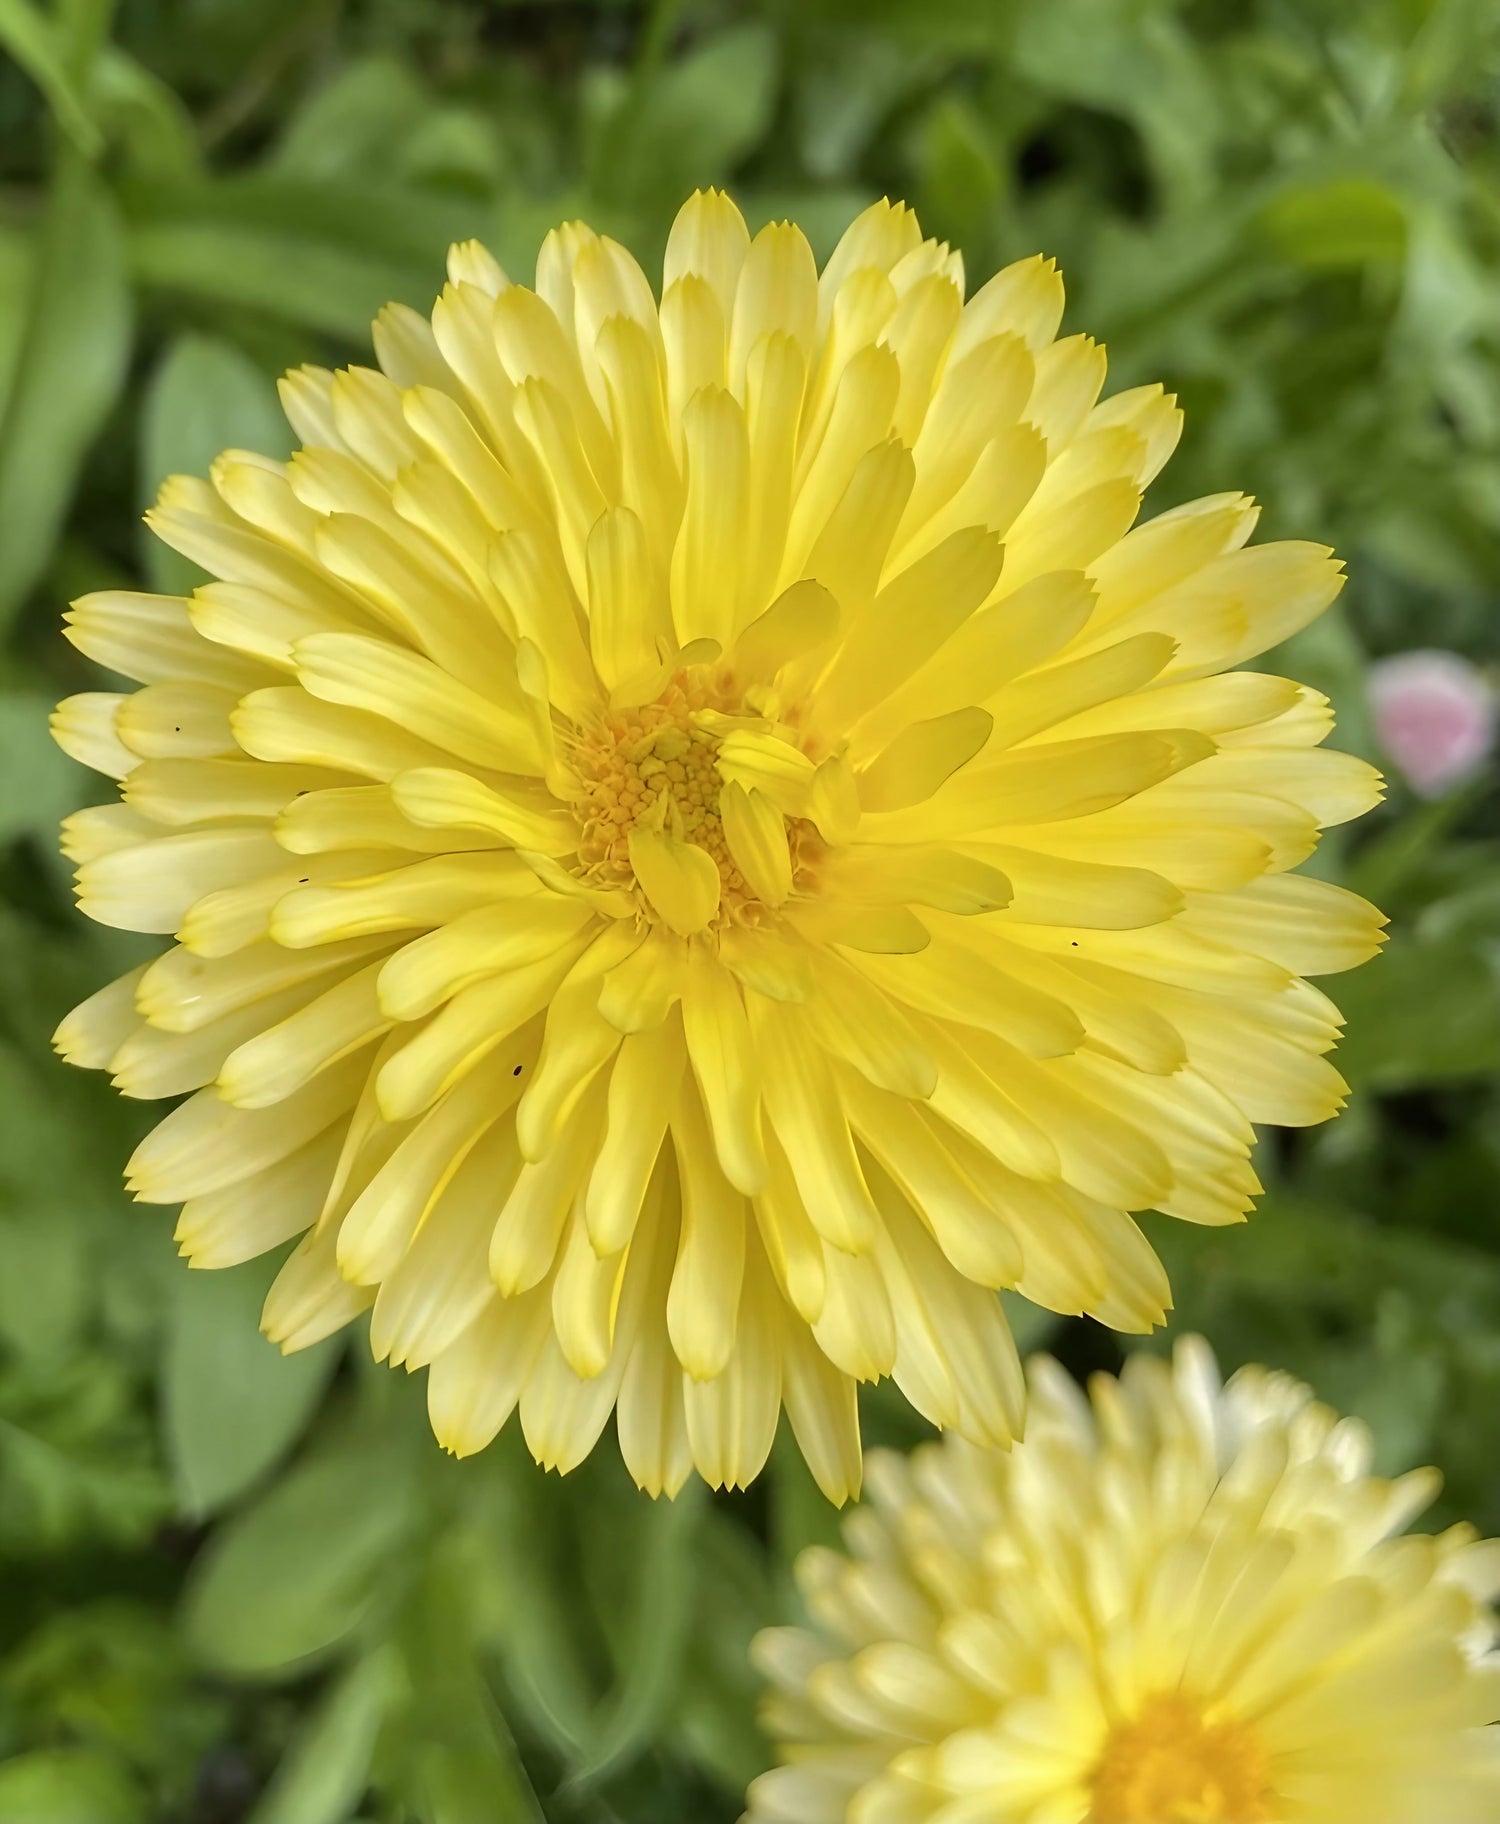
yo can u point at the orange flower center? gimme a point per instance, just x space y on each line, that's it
653 765
1171 1766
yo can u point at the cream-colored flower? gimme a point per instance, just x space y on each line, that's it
701 844
1188 1605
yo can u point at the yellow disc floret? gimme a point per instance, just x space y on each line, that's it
656 767
1169 1765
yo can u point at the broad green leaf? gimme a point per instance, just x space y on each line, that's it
44 1287
39 47
1420 1013
689 125
17 263
961 175
354 122
327 1769
322 255
75 1463
1343 222
716 1707
535 1622
452 1752
1138 63
650 1647
205 396
152 124
303 281
232 1403
69 1786
801 1515
72 363
296 1573
42 785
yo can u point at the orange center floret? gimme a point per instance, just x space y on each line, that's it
1170 1766
653 766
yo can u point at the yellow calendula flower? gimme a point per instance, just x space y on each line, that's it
701 843
1192 1604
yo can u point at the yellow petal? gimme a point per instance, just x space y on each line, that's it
679 879
757 838
777 289
710 1267
800 620
204 1144
281 1060
467 1029
910 619
859 1023
774 383
705 583
432 969
644 1085
422 894
474 1384
803 1105
731 1420
380 1223
443 798
922 759
695 330
727 1069
578 1040
83 726
709 239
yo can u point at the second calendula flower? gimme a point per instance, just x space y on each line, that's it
701 843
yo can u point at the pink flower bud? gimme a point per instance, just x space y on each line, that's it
1435 716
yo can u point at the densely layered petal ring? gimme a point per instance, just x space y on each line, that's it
702 839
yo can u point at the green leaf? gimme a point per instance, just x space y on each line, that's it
658 1619
68 1786
72 363
233 1404
296 1573
690 124
205 396
37 46
1138 63
151 123
327 1769
44 1289
324 255
454 1757
1340 223
1420 1013
17 264
961 175
111 1672
302 281
353 122
42 785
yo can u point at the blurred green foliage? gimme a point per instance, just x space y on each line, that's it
242 1588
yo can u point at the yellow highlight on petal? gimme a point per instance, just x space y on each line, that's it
680 880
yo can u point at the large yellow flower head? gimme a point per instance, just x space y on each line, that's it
1192 1604
701 843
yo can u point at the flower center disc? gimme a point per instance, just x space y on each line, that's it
1169 1766
653 765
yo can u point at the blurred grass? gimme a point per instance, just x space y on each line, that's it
236 1588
